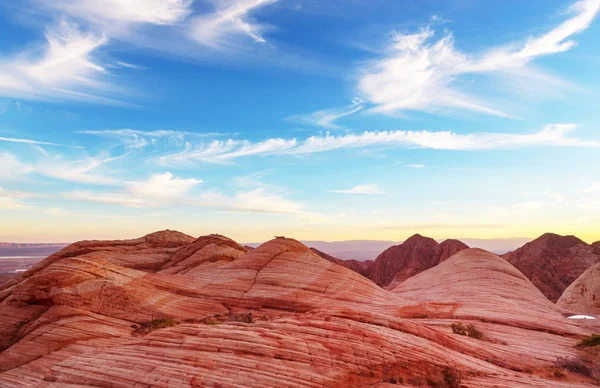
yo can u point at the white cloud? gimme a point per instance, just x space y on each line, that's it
420 73
10 167
13 200
165 190
65 69
81 170
326 118
592 188
124 11
28 141
556 135
368 189
415 165
549 200
162 186
133 138
228 21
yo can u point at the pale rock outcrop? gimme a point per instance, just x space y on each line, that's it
583 295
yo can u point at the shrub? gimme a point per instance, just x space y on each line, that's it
247 318
592 340
559 374
162 322
393 381
468 330
473 332
459 328
451 378
575 365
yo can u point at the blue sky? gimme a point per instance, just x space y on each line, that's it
316 120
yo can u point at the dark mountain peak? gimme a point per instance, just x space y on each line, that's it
553 238
552 262
450 247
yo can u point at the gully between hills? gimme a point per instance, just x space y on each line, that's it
168 310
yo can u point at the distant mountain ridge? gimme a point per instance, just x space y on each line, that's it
32 245
413 256
552 262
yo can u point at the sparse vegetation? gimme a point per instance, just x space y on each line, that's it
591 341
559 374
247 318
575 365
450 378
147 327
160 323
469 330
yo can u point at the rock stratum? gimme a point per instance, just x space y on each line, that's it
552 262
168 310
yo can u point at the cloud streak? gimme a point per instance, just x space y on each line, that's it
159 12
423 74
364 189
65 69
226 151
29 141
325 118
220 28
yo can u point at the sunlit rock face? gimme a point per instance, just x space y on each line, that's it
169 310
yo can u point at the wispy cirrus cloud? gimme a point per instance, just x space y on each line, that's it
64 68
326 118
592 188
133 138
547 199
226 151
415 165
229 20
364 189
28 141
160 12
423 74
165 190
87 170
11 200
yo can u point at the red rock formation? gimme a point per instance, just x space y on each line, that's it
553 262
355 265
418 253
80 321
583 295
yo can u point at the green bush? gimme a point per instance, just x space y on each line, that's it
592 340
162 322
469 330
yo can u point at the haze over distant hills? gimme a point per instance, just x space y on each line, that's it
369 249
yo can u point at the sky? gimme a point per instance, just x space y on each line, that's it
318 120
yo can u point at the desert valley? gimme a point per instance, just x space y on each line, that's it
170 310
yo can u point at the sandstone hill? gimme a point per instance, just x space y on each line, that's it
418 253
168 310
552 262
583 295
